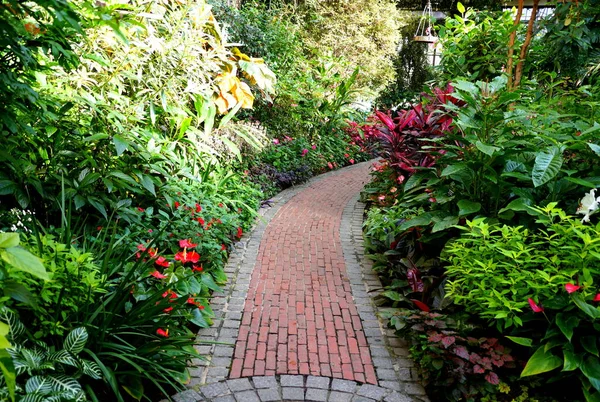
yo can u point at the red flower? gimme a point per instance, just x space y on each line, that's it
162 332
141 247
186 243
176 204
168 310
153 252
191 300
221 205
330 165
187 256
149 230
198 207
140 209
597 297
99 228
162 261
220 222
200 221
200 306
346 156
432 199
239 233
223 247
158 275
572 288
197 268
535 307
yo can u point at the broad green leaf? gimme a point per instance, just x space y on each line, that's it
25 261
581 182
98 205
95 137
185 124
595 148
208 281
445 223
541 362
591 369
17 291
590 344
421 220
147 183
38 384
75 341
520 204
486 149
8 240
4 329
453 169
468 207
566 323
572 360
198 318
8 370
121 144
590 310
521 341
547 165
4 343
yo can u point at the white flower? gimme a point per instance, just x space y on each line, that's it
588 205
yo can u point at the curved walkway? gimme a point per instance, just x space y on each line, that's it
297 319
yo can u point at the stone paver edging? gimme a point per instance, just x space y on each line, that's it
397 379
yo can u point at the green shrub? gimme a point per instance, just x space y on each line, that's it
493 270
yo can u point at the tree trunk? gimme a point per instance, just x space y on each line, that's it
525 46
511 44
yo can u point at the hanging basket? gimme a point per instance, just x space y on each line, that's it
426 38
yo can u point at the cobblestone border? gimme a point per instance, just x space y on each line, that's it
216 344
290 388
395 370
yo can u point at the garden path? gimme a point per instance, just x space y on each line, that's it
297 320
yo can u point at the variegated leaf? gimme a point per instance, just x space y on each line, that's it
76 340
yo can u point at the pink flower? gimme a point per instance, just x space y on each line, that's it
186 243
314 147
162 261
304 152
572 288
432 199
330 165
535 307
346 156
275 141
352 161
288 138
158 275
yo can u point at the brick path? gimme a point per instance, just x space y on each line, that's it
299 316
243 298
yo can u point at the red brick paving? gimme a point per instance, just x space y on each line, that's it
299 316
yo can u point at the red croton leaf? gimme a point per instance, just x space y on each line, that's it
461 351
447 341
434 338
385 119
477 369
422 306
492 378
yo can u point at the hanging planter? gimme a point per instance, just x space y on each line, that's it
425 32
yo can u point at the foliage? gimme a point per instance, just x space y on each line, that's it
45 372
411 66
471 367
493 270
475 44
352 30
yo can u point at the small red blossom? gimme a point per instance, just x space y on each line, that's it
221 205
534 306
140 209
220 222
158 275
191 300
153 252
197 268
597 297
239 233
187 256
351 161
176 204
330 165
198 207
162 262
304 152
170 294
99 228
186 243
223 247
141 247
149 230
346 156
572 288
200 306
432 199
168 310
200 221
162 332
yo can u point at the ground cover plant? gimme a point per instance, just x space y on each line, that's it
471 223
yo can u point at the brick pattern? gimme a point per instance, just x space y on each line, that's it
299 316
